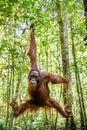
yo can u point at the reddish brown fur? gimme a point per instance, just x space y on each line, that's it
39 91
32 49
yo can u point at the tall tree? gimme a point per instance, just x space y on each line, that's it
66 66
78 85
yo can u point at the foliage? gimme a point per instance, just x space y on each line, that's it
15 19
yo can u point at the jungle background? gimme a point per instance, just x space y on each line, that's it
60 31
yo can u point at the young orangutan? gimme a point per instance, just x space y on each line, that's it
38 86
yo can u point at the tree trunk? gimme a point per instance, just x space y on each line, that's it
85 13
66 66
79 86
8 94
